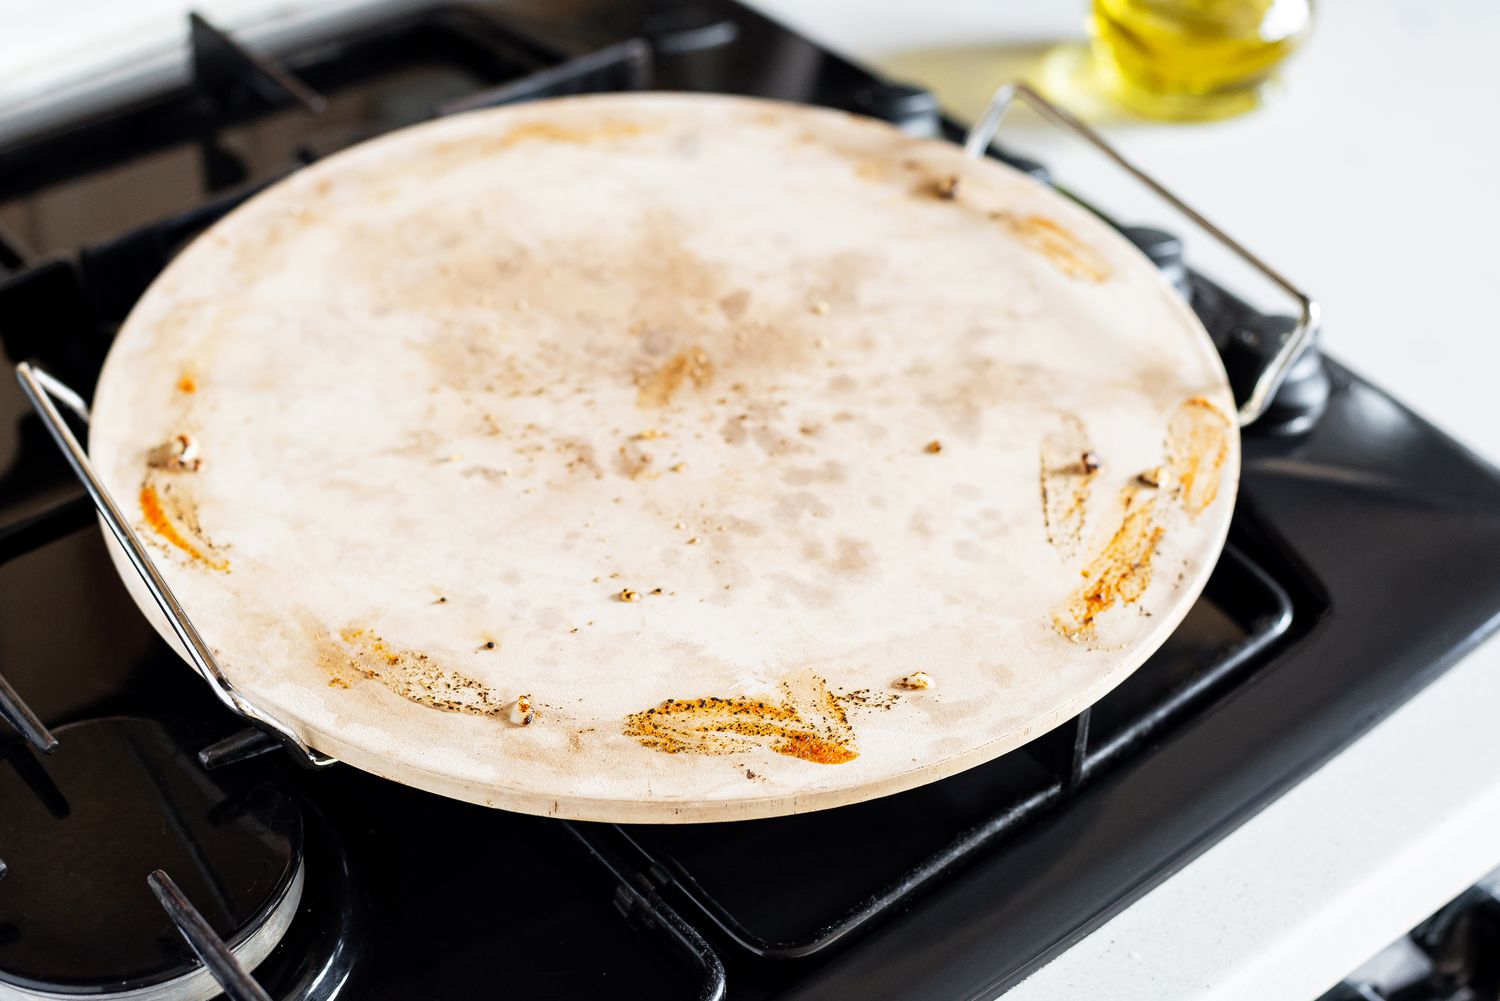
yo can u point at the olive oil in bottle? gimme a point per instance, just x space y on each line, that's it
1188 60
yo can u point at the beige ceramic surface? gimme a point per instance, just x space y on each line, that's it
698 421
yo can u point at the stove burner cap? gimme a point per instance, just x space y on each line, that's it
81 829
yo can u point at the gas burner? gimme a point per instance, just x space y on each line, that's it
83 828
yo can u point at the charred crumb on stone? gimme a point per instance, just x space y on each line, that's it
945 187
634 464
1150 478
735 303
868 699
751 775
657 388
180 454
656 590
522 713
627 595
933 447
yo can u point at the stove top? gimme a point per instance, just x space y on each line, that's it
1359 566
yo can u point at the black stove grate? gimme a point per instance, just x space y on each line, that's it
797 906
1454 955
232 87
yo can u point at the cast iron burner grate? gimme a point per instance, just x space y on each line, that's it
406 895
796 905
1454 955
115 808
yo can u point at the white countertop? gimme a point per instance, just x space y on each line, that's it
1370 181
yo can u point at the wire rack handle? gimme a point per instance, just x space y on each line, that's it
45 392
1309 315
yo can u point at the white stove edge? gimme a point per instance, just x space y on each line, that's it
1349 860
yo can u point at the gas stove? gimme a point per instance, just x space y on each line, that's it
152 847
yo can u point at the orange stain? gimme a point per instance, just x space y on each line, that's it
411 674
1119 573
658 388
156 517
555 132
1071 255
1198 446
809 723
815 749
541 131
